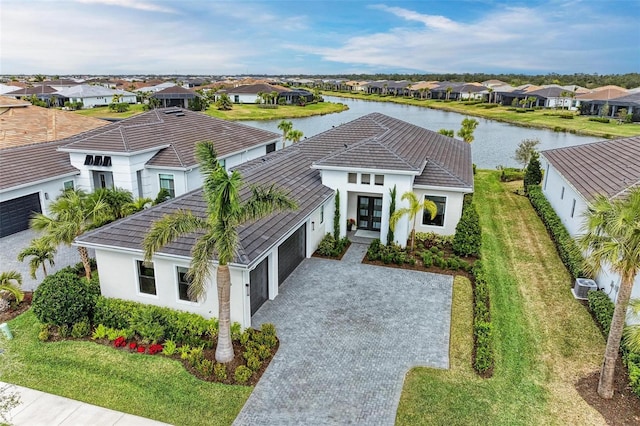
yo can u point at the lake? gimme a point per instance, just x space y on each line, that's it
494 144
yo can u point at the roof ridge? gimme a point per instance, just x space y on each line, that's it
395 154
441 167
124 140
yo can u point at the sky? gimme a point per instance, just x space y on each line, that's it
274 37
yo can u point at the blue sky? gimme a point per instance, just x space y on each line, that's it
318 37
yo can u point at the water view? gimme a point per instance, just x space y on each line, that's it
494 143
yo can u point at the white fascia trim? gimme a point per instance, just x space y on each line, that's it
39 182
113 153
365 170
161 168
138 252
587 202
444 188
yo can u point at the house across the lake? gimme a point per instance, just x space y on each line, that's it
362 160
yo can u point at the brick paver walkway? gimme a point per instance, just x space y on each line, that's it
348 333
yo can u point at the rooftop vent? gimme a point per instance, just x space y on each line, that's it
180 114
172 111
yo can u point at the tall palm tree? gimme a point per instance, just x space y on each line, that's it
285 126
11 282
612 236
116 198
490 90
295 135
415 207
226 211
41 251
72 214
468 126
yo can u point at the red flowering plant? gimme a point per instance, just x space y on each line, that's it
154 349
120 342
141 349
132 345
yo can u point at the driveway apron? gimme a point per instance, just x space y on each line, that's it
348 333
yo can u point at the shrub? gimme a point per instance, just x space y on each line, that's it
599 119
427 259
154 349
147 323
254 363
533 173
220 371
205 367
100 332
169 348
373 252
325 248
81 329
64 299
482 326
45 332
509 174
565 245
468 237
242 374
602 308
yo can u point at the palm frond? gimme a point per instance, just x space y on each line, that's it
169 228
397 215
264 201
11 281
200 269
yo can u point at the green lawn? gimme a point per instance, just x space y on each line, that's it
144 385
537 118
545 340
239 111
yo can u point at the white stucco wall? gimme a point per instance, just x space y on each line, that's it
247 155
47 190
119 279
243 98
452 212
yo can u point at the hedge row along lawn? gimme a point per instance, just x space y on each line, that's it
541 118
545 340
150 386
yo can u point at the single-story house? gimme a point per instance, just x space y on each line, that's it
363 160
175 96
604 93
42 92
141 154
94 96
248 93
575 175
630 102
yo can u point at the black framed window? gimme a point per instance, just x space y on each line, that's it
441 204
183 284
146 277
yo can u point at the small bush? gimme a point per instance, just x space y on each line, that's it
220 371
64 299
242 374
45 333
169 348
147 323
427 259
602 308
205 367
100 332
468 237
64 331
81 329
600 119
254 363
482 326
510 174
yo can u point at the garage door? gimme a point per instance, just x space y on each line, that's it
259 282
291 253
15 214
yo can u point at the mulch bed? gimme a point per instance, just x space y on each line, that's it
623 409
316 254
16 310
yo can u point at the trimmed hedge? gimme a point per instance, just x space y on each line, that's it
64 299
482 325
565 245
468 237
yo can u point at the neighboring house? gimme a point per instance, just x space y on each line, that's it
605 93
157 87
248 93
60 84
363 159
575 175
94 96
42 92
6 88
175 96
629 102
141 154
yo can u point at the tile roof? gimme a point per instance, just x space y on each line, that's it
24 125
608 167
632 99
603 93
173 92
171 127
291 170
85 91
35 90
251 89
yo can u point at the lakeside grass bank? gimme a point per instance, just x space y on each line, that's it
541 118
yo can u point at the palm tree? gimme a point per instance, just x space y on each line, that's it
415 206
137 205
72 214
286 127
226 211
467 128
612 236
11 282
490 90
116 198
295 135
449 90
41 250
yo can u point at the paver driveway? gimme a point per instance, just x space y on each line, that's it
348 334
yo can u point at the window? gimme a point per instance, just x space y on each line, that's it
379 180
183 284
365 179
271 147
322 213
97 160
352 178
107 161
68 185
438 220
562 194
146 277
166 182
88 160
223 163
573 207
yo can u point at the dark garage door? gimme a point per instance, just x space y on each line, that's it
291 253
15 214
259 282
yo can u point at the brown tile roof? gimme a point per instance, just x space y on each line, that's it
35 90
23 125
608 167
175 128
257 88
603 93
175 91
291 170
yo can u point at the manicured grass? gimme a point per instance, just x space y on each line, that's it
144 385
239 111
537 118
545 340
253 112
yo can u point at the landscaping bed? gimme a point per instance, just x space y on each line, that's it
16 309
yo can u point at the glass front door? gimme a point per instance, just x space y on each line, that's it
369 213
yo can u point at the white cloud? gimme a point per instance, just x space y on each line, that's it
131 4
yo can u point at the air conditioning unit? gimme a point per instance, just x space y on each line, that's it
582 286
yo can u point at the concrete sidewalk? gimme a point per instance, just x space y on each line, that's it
39 408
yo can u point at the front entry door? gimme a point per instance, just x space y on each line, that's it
369 213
